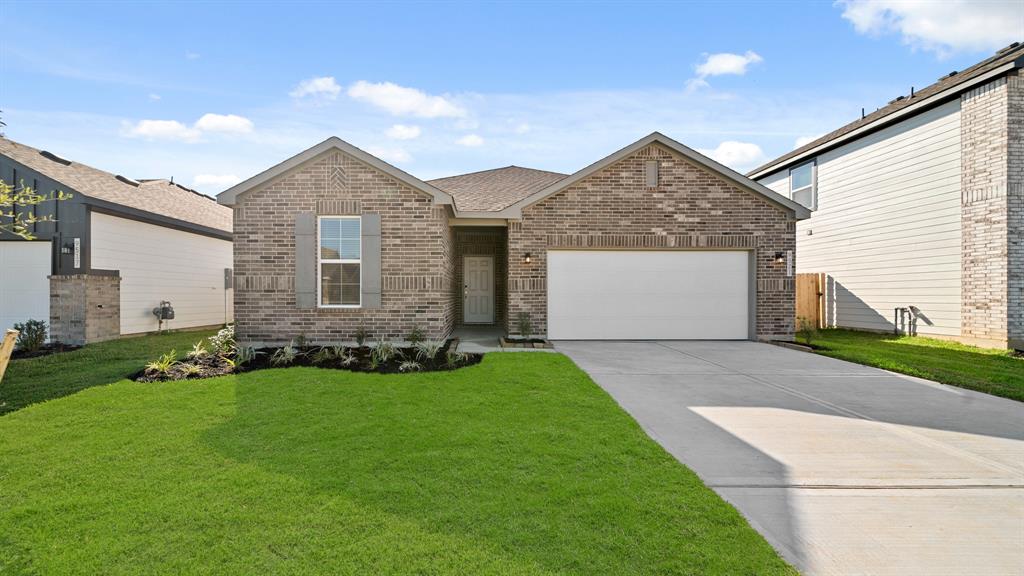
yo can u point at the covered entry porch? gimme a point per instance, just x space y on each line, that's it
480 291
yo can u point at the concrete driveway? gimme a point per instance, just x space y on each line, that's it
845 469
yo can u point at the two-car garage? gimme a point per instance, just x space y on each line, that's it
649 294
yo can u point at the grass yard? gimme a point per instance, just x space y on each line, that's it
44 378
518 465
987 370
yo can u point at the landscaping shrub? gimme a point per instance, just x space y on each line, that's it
31 335
524 325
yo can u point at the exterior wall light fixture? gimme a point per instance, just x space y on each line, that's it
527 258
779 258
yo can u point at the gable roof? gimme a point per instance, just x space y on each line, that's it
230 196
158 197
801 212
947 87
494 190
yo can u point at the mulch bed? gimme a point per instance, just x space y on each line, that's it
46 350
525 343
210 365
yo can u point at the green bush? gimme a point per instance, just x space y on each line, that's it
31 335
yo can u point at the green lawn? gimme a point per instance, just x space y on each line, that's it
519 465
35 380
988 370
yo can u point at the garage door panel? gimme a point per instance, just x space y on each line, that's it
24 286
647 295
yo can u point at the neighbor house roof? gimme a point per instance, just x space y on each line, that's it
947 87
493 190
158 197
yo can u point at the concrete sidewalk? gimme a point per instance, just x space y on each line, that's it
845 469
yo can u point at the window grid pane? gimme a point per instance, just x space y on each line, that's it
340 281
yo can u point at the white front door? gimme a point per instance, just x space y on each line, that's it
648 295
478 277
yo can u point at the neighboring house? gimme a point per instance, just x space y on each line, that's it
919 204
653 242
117 249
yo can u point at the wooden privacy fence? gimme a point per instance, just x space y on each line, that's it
810 289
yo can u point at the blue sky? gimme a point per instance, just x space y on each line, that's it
212 93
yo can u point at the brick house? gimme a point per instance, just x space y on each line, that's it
918 209
652 242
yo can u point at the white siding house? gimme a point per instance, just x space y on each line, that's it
159 263
887 225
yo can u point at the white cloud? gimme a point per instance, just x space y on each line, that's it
215 180
403 101
403 132
470 140
191 55
154 97
323 87
522 128
943 27
736 155
228 123
727 63
804 140
161 130
390 154
174 130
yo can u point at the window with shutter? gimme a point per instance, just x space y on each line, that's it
340 261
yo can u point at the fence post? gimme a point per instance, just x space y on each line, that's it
6 348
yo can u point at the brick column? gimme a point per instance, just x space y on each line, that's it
85 308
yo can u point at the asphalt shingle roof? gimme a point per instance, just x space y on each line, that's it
1004 56
154 196
497 189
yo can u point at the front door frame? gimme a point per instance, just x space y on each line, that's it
465 291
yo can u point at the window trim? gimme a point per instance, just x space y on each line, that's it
813 185
321 261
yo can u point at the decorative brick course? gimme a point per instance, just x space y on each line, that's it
416 263
691 208
992 211
85 308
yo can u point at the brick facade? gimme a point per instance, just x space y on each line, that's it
992 203
691 208
416 255
85 308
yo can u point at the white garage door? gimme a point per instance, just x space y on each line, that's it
24 288
648 295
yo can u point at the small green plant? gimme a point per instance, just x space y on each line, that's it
524 325
189 369
346 356
301 341
807 330
383 351
285 355
416 335
361 335
428 350
163 364
244 355
324 355
454 358
31 335
223 342
410 366
373 363
198 351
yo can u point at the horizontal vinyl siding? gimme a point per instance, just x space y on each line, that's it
887 228
158 263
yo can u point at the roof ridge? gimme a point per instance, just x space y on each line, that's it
495 170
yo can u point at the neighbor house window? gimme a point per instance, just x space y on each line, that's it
340 261
803 186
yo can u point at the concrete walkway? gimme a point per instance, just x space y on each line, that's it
845 469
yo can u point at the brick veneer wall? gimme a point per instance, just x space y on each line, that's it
692 208
85 308
991 125
481 241
416 247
